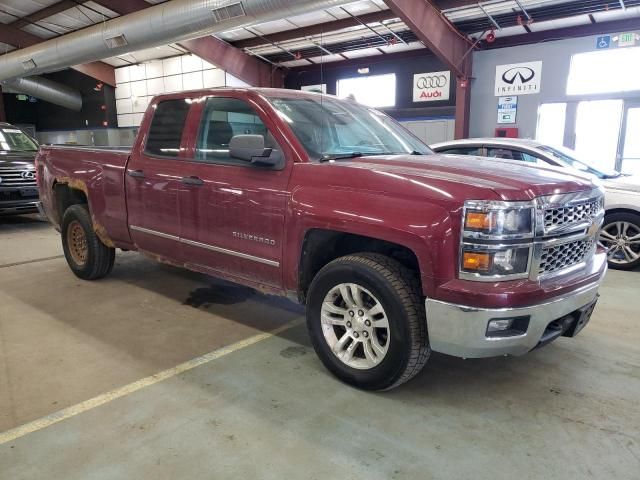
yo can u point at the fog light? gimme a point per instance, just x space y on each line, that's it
499 325
508 327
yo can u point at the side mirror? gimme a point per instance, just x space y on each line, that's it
249 148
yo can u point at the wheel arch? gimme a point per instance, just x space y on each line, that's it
321 246
67 192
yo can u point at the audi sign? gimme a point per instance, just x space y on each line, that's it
518 79
431 87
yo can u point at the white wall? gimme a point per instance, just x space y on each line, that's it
136 85
556 61
432 131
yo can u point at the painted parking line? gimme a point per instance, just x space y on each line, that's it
105 398
35 260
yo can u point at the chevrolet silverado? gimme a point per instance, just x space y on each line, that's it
395 251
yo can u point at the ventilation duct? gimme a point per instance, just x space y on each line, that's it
47 90
168 22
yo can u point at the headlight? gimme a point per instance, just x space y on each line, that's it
497 220
493 235
491 262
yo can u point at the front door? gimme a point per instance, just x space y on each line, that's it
233 211
152 182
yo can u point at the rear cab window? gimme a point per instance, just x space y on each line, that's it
167 125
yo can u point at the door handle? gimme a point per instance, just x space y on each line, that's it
195 181
135 173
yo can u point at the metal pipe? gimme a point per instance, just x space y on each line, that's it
47 90
164 23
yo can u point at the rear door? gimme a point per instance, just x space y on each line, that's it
233 211
152 180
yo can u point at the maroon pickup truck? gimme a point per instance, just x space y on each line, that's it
395 251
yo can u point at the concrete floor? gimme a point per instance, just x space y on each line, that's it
270 410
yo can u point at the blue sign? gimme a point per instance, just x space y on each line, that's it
603 42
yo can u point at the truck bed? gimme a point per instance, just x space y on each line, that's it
95 171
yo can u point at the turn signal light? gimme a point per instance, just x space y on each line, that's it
476 262
478 221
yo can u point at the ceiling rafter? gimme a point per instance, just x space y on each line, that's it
304 32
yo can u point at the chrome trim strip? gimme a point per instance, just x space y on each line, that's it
233 253
213 248
153 232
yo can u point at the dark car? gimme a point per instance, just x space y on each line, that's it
18 188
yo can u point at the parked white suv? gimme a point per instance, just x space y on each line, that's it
621 230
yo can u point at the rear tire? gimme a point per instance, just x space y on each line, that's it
621 235
87 256
369 310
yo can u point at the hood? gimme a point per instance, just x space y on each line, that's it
509 180
625 183
17 159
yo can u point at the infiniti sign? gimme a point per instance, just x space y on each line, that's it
523 74
518 79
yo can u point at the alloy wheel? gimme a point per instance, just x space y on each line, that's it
622 240
355 326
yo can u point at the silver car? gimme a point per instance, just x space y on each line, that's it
621 230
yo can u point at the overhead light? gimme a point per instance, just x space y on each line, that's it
363 71
116 42
29 65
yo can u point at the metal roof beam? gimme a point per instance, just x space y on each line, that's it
317 29
47 12
436 32
601 28
234 61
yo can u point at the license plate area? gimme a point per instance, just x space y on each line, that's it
582 318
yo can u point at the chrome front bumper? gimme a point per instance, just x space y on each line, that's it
461 331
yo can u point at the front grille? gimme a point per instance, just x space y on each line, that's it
14 177
564 256
561 216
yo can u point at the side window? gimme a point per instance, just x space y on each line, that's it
505 153
463 151
165 132
223 119
527 157
509 154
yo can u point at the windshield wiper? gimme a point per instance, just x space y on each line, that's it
340 156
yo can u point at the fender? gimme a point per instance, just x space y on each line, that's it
424 228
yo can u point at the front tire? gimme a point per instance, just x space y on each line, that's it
87 256
621 235
367 323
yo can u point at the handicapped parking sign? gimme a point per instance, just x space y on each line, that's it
603 42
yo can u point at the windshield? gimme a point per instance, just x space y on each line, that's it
15 140
331 128
568 157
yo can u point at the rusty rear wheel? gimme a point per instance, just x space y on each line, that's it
86 255
77 242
